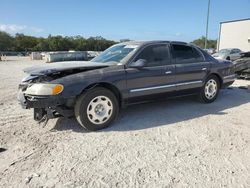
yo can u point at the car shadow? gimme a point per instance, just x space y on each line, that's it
63 124
2 150
167 112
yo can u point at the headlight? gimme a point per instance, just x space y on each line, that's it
44 89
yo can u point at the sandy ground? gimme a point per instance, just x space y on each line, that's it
174 143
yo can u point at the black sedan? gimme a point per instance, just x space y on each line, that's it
124 74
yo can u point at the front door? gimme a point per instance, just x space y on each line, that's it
156 77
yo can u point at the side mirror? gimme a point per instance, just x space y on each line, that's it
140 63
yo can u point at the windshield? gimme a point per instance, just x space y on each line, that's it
115 53
224 51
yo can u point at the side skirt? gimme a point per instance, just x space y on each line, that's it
162 96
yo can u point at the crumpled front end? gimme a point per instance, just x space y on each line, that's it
51 90
49 106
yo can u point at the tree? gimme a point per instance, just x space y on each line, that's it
201 41
25 43
125 40
42 45
6 41
80 43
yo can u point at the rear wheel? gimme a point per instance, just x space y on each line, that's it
210 89
96 108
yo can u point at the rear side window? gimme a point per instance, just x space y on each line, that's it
207 56
186 54
234 51
155 55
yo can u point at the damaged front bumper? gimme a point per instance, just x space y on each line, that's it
49 106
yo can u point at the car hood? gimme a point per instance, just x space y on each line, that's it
219 56
216 55
65 66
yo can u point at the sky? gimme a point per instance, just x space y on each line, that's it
182 20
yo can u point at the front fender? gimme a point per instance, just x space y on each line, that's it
74 84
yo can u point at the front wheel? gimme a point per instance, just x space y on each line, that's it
210 89
96 108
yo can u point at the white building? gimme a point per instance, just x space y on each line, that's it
235 34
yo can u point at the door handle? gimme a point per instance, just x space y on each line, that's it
204 69
168 72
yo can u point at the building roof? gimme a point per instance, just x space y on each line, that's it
245 19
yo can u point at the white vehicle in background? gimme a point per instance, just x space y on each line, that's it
211 51
228 54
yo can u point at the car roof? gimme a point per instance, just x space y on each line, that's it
230 49
140 43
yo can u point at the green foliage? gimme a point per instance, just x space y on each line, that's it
201 43
6 41
22 42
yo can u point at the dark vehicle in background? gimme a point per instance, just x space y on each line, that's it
124 74
242 65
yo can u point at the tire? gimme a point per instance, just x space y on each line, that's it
210 89
228 58
96 109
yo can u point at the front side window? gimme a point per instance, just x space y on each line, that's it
186 54
155 55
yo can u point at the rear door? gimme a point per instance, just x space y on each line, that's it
191 67
156 77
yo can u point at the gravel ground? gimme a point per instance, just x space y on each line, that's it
174 143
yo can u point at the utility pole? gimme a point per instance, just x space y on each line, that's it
208 10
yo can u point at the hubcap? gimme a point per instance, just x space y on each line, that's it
211 89
99 110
